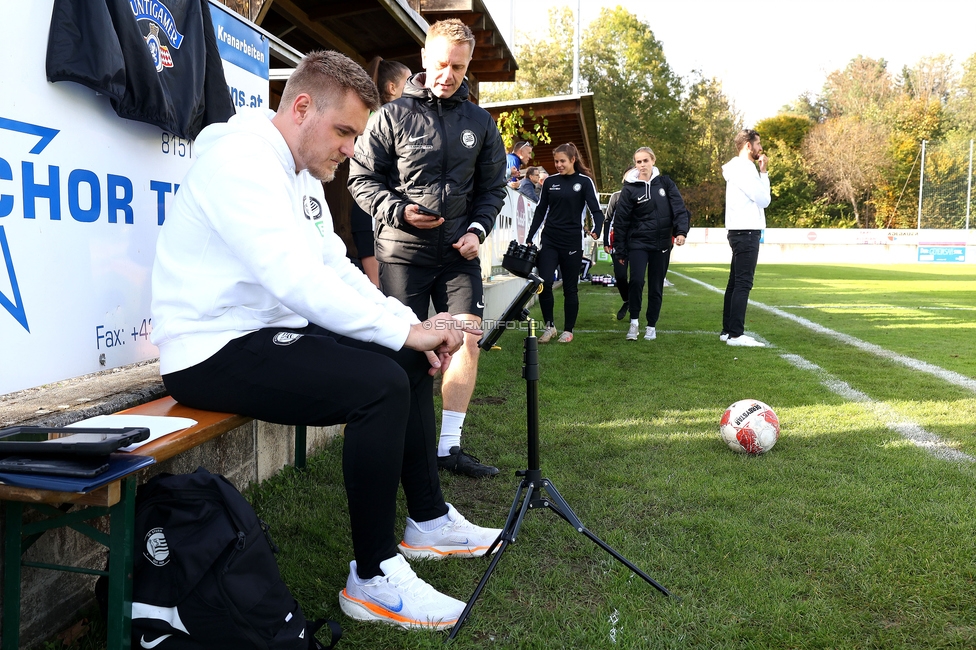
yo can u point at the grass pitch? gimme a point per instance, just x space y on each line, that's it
847 534
857 530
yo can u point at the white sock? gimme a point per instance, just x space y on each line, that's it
433 524
451 423
634 321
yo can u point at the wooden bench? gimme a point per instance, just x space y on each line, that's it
116 500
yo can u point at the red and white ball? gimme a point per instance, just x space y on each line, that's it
749 427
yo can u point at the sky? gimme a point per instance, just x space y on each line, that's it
784 48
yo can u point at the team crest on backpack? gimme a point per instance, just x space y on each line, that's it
160 21
157 550
469 139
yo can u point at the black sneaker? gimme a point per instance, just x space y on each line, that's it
622 312
462 463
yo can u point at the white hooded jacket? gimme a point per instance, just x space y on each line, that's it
746 195
249 244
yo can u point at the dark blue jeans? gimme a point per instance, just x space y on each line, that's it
745 255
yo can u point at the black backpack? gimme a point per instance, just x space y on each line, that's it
205 575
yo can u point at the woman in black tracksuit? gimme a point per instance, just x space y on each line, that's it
562 203
649 216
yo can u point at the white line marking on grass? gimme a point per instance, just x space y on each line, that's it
909 430
623 330
885 307
953 378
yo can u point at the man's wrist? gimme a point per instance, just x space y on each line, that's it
477 232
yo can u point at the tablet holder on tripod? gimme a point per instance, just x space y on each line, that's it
532 489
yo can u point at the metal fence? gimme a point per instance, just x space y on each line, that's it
945 188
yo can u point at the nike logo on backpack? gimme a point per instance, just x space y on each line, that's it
155 642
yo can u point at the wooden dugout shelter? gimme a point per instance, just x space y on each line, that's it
571 118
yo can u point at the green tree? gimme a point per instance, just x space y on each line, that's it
808 106
512 126
917 111
862 89
932 78
849 156
712 125
545 63
788 128
796 199
962 103
638 100
636 95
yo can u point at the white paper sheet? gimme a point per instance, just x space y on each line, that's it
158 425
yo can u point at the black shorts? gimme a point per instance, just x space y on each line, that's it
454 287
363 239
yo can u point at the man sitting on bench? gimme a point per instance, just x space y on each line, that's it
256 310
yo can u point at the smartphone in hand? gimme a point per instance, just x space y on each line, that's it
429 211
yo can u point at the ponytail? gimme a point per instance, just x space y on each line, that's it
573 153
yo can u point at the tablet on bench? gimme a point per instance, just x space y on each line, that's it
65 441
81 466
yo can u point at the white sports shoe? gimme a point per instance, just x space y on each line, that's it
398 597
650 333
723 337
547 334
745 341
632 332
457 538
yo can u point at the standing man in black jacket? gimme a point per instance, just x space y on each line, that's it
431 169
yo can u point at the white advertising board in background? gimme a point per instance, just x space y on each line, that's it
244 52
83 193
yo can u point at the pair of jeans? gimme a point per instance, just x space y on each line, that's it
742 272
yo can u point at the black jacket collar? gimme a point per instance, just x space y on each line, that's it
416 89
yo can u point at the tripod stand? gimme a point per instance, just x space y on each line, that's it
533 488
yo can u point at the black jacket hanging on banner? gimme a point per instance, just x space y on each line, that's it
156 60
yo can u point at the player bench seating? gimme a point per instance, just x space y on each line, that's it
116 500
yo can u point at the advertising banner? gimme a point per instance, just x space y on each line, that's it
83 194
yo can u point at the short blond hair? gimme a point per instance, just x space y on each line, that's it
453 30
326 76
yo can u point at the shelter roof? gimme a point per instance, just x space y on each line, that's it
571 118
391 29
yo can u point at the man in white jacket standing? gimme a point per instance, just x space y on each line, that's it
256 310
746 197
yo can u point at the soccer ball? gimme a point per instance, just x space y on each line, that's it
749 427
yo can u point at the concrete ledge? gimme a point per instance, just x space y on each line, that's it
83 397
